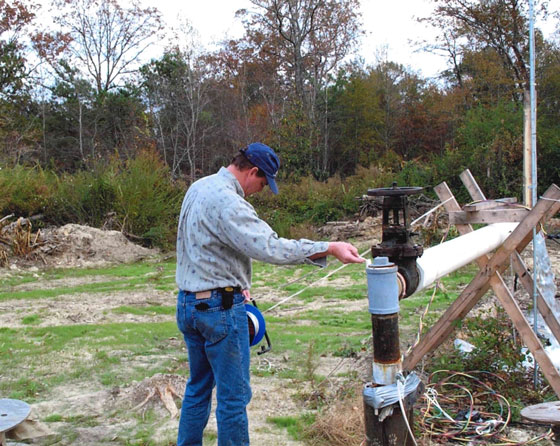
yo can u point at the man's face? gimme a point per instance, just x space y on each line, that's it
255 183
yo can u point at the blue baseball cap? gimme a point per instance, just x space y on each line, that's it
265 159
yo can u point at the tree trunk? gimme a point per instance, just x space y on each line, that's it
81 129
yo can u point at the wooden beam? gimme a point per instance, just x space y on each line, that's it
545 208
517 240
518 265
488 216
526 333
502 203
472 186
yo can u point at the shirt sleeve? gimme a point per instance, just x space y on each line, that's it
242 229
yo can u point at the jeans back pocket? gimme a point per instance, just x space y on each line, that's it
212 324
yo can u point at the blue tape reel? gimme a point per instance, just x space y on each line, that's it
257 325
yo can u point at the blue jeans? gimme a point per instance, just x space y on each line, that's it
218 348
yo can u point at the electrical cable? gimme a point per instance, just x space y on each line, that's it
467 394
430 211
311 284
291 282
400 392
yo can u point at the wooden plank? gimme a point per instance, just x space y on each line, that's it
488 216
502 203
526 333
545 208
517 240
471 185
519 267
548 412
542 305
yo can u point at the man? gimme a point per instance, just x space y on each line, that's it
219 233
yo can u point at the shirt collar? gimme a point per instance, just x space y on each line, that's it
228 176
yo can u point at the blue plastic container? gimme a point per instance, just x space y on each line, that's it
383 287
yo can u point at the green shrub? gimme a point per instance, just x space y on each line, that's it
85 197
25 191
415 174
147 201
137 195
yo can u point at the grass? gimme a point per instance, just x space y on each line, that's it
128 276
295 425
37 361
66 354
31 319
123 284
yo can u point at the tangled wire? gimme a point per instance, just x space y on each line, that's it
466 396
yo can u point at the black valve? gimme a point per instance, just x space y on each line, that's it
396 240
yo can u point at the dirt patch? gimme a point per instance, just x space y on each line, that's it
75 245
84 308
104 415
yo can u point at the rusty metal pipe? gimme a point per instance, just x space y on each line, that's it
385 422
386 350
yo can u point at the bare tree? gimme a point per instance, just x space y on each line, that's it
177 95
107 39
312 36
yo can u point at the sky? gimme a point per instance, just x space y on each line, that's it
390 27
388 24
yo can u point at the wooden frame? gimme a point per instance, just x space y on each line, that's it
489 275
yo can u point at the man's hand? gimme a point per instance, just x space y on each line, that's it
345 252
247 295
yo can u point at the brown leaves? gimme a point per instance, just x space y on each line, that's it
17 238
50 46
14 15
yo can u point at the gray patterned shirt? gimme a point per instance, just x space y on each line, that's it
220 232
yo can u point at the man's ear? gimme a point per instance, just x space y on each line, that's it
254 170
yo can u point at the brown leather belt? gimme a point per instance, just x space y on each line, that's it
203 294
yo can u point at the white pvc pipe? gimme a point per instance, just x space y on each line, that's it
440 260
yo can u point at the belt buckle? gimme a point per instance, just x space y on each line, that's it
203 294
